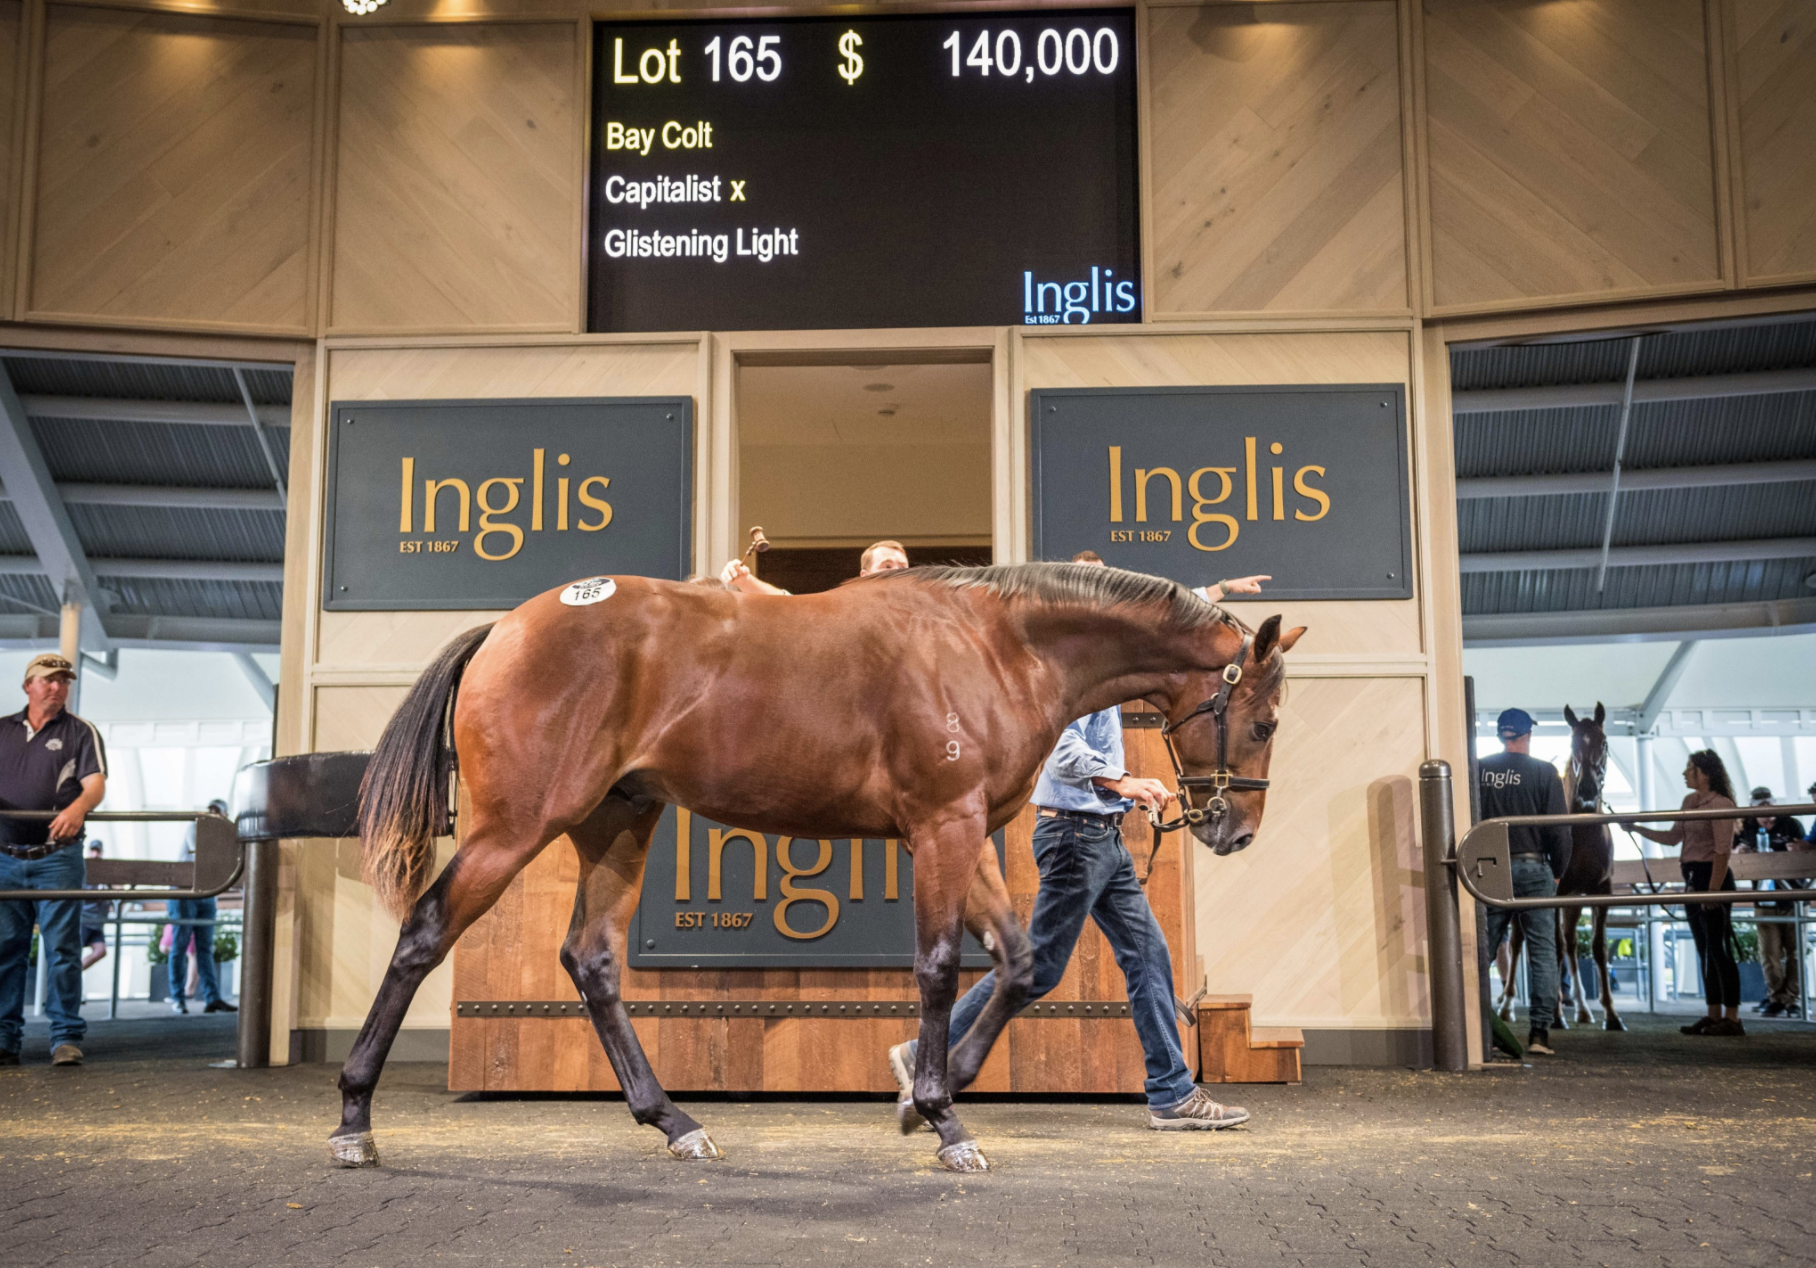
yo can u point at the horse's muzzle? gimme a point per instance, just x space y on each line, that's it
1222 842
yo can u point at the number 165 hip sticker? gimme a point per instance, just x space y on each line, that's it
592 590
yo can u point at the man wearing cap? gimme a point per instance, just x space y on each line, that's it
1516 783
49 760
1766 833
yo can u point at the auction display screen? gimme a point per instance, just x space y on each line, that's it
821 173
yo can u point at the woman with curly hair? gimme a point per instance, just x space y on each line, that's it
1707 844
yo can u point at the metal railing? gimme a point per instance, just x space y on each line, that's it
1482 864
222 859
220 856
310 795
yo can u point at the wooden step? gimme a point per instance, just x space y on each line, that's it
1231 1051
1276 1037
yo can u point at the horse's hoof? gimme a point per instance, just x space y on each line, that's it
1585 1019
1507 1014
356 1149
1562 1023
1614 1023
907 1117
964 1156
696 1144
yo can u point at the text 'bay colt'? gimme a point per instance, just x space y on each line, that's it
917 704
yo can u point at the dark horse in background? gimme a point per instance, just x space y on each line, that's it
918 704
1590 871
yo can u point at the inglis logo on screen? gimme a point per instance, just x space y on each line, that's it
1074 303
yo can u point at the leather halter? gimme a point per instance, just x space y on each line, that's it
1220 780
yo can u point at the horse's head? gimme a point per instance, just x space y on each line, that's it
1221 725
1588 756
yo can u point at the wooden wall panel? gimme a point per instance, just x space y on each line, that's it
1569 148
12 31
174 171
1322 919
1774 86
1276 157
457 202
344 937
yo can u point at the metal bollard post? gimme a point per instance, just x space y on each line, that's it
1444 952
258 935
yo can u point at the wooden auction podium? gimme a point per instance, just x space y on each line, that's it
518 1024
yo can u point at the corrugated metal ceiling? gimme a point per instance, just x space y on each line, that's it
177 455
1715 431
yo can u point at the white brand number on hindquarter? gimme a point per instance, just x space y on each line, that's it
952 750
952 723
592 590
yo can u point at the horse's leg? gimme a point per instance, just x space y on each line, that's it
1516 943
1571 918
465 890
990 914
945 863
613 844
1610 1019
1564 975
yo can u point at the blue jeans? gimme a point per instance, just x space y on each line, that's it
1085 871
207 977
1532 878
59 929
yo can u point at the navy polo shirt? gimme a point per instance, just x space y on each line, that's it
44 769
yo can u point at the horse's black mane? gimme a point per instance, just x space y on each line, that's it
1089 585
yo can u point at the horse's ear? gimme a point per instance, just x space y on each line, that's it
1266 637
1570 715
1600 713
1269 639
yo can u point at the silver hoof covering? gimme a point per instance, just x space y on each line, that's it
696 1144
964 1156
353 1151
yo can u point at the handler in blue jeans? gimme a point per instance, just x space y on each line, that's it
1514 782
1083 792
49 760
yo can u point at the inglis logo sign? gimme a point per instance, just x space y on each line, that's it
482 504
715 896
1076 302
1307 484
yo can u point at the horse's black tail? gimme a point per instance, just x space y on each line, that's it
403 800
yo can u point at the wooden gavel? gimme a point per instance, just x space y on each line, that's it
758 543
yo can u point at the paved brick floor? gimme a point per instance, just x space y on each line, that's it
1642 1148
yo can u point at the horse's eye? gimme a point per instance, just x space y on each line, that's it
1262 731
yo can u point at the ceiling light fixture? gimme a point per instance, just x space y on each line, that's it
360 8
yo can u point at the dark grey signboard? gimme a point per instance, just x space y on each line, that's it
482 504
718 897
1308 484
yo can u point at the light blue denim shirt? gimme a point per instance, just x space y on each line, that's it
1090 747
